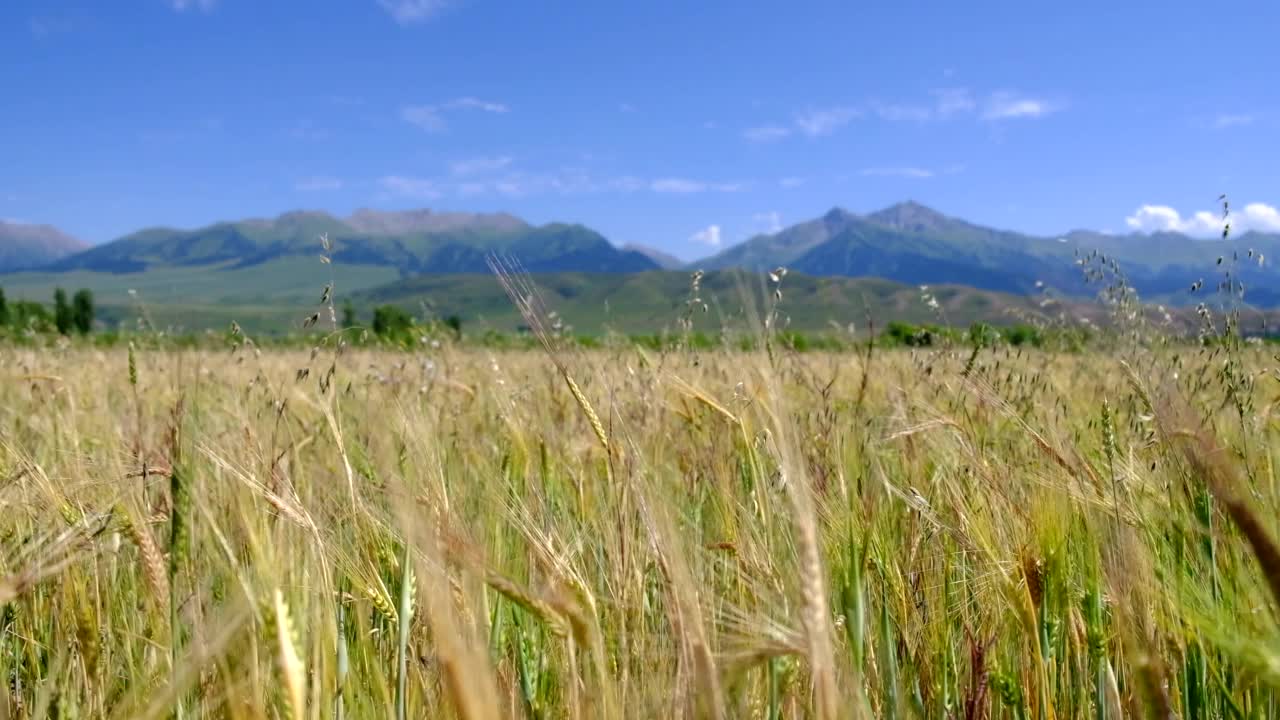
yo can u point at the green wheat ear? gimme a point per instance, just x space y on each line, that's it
133 367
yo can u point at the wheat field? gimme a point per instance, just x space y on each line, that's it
619 533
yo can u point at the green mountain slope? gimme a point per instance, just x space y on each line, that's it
412 242
764 252
653 301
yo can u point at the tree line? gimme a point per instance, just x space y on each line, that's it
73 315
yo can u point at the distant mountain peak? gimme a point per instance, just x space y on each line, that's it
666 261
838 214
911 216
24 245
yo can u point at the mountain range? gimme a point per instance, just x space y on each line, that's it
914 244
274 263
411 242
24 246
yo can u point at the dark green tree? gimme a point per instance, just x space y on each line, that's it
61 312
390 321
454 323
4 309
348 314
26 315
82 311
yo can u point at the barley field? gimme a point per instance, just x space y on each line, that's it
627 533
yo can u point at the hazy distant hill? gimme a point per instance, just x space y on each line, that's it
25 246
666 261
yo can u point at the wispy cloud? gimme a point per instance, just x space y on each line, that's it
903 172
431 118
1163 218
480 165
677 185
1230 120
471 103
824 122
1007 105
896 112
791 182
684 186
407 12
185 5
952 101
944 104
426 117
497 176
766 133
709 236
318 183
412 187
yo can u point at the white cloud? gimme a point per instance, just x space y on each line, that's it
708 236
766 133
431 117
1006 105
1259 216
471 103
771 221
898 112
791 182
684 186
951 101
480 165
677 185
904 172
626 183
426 117
1162 218
1232 120
185 5
318 183
494 176
406 12
945 104
824 122
410 186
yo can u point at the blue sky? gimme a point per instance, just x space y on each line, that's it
673 124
